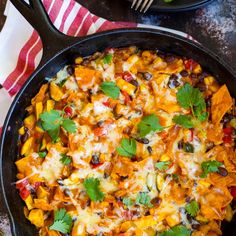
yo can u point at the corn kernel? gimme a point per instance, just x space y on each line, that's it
133 59
165 157
208 80
29 202
197 69
173 220
78 60
204 183
125 86
146 54
159 182
50 105
21 130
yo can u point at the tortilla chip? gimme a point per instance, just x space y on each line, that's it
221 103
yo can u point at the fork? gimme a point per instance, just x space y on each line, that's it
144 4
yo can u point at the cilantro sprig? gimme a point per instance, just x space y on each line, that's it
191 98
192 208
51 122
62 221
178 230
209 167
65 160
91 186
144 199
127 148
110 89
148 124
162 165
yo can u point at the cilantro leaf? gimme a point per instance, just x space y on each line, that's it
149 123
42 154
110 89
184 121
209 167
128 147
65 160
127 201
191 98
92 188
69 125
62 221
162 165
192 208
108 58
143 199
51 122
179 230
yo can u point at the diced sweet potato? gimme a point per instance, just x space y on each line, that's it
55 92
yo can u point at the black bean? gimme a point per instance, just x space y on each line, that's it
149 148
188 147
123 177
202 76
95 159
189 217
227 118
196 226
188 199
67 192
88 202
142 140
24 137
100 123
184 73
119 199
156 201
170 58
222 171
60 182
134 82
193 76
106 175
147 76
208 102
173 81
209 146
70 70
180 144
201 86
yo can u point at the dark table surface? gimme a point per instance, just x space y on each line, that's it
213 25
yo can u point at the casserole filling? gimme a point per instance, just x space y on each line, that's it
129 142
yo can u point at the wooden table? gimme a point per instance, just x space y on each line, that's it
214 26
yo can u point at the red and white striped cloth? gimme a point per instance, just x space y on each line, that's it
21 47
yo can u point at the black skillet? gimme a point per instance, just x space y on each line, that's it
177 5
60 50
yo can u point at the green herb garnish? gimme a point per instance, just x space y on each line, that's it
148 124
127 201
127 148
62 221
110 89
143 199
91 186
192 208
162 165
209 167
42 154
108 58
53 120
65 160
179 230
191 98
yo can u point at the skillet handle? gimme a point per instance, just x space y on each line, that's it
53 40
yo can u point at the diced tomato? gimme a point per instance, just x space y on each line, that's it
191 135
227 135
100 131
190 64
24 193
106 104
68 110
36 185
127 76
22 184
127 97
233 192
95 165
127 215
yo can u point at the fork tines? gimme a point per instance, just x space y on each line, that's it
143 4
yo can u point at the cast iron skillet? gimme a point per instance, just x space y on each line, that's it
177 5
60 50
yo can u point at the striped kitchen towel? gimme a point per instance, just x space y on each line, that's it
21 47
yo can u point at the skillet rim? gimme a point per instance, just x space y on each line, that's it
179 38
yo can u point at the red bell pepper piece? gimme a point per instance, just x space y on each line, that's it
24 193
127 76
22 184
227 135
190 64
127 97
233 192
95 165
69 111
